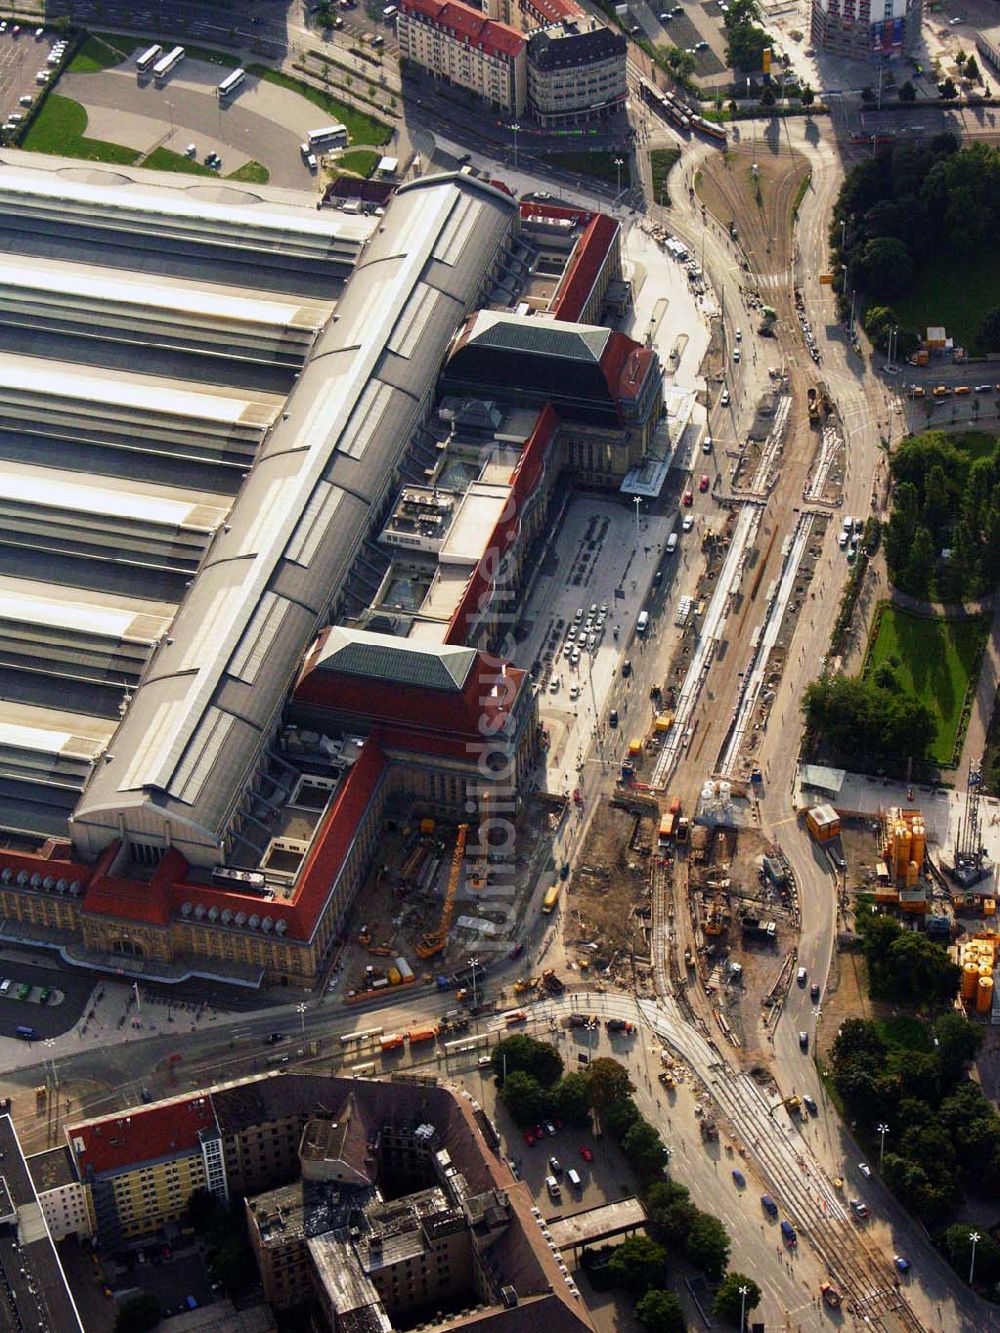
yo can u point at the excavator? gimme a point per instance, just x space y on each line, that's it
435 940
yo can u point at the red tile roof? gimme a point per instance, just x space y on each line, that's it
586 262
479 589
145 1134
551 11
468 25
625 362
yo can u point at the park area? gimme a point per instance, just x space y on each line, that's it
936 659
956 291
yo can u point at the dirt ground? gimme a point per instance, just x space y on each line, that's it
404 894
757 183
608 900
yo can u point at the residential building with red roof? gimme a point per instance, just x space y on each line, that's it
463 46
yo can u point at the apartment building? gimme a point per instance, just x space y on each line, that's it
462 46
576 72
65 1199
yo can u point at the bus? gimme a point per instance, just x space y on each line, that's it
550 899
231 83
330 136
148 59
168 62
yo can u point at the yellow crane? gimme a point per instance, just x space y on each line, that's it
435 940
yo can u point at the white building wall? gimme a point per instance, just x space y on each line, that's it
67 1211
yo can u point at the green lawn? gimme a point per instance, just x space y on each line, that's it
251 173
661 160
936 660
955 292
99 51
362 161
60 128
360 128
165 159
222 58
599 165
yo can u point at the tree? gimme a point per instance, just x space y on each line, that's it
959 1249
607 1083
728 1301
569 1099
859 1038
708 1245
138 1314
808 96
746 46
645 1151
638 1264
619 1117
235 1264
907 93
958 1043
660 1312
920 971
920 565
886 267
525 1098
536 1058
767 97
669 1208
989 330
972 70
948 89
868 94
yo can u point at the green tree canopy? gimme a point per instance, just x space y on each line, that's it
645 1151
958 1247
607 1083
660 1312
989 330
886 268
729 1304
907 92
708 1245
525 1098
669 1208
638 1264
537 1058
958 1043
569 1099
746 47
808 96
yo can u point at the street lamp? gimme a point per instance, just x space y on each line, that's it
637 502
974 1237
883 1130
515 128
300 1009
619 163
744 1293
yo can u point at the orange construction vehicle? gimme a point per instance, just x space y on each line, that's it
435 940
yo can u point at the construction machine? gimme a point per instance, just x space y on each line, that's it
435 940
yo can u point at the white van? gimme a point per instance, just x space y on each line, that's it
552 1185
672 543
573 1176
389 13
5 986
642 624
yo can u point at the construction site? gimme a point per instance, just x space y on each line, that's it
421 913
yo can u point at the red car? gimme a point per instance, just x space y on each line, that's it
688 499
539 1132
529 1138
586 1154
703 484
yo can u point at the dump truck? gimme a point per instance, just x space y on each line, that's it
552 983
620 1025
682 831
830 1294
709 1132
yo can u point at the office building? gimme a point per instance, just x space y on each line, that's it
869 30
576 72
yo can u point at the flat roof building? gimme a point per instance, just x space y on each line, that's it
576 72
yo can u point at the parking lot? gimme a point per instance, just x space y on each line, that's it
602 558
23 55
69 995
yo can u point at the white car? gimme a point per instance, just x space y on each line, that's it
687 523
842 541
736 354
848 524
865 1170
724 400
574 691
739 335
